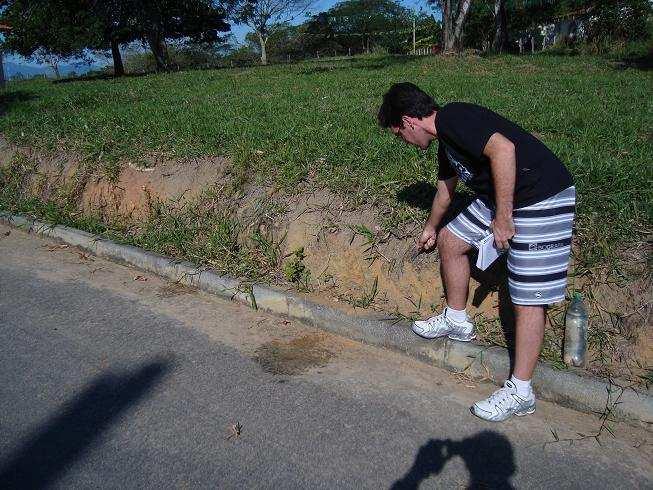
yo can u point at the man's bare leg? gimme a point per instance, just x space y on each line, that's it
529 333
454 268
516 397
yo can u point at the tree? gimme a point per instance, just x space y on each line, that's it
58 27
260 15
359 24
500 42
112 26
604 21
428 31
613 20
66 28
454 15
52 60
158 21
479 26
284 40
319 34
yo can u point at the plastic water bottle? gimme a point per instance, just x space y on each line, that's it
575 348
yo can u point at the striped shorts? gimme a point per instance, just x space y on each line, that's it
538 258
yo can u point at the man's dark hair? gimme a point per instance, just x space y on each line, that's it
405 99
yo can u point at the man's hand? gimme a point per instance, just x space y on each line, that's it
503 228
428 239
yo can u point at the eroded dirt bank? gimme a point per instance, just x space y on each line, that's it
326 245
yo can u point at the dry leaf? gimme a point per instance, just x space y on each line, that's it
236 430
52 248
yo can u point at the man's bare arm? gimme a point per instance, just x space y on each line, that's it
503 163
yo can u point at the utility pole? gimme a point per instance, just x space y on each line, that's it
413 35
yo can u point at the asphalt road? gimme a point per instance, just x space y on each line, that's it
112 378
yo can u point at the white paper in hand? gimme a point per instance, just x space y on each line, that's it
487 252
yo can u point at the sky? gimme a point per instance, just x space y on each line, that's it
238 30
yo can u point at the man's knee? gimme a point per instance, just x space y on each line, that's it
449 244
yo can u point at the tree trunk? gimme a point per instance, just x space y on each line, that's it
159 50
454 29
500 43
2 72
118 68
454 15
263 42
448 23
55 68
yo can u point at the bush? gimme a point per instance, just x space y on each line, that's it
624 21
181 58
619 50
379 51
194 56
243 56
140 62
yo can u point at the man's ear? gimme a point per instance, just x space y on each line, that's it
407 122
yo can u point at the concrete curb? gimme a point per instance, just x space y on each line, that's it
570 388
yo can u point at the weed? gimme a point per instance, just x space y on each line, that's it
269 249
295 270
361 230
411 316
371 242
606 417
367 298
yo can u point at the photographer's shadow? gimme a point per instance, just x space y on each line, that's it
488 457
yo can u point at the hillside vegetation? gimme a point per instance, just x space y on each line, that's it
285 124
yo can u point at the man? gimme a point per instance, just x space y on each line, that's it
524 196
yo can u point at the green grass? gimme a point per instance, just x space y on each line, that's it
282 124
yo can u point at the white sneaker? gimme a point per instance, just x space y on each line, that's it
441 326
503 403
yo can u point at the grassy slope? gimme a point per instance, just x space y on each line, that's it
286 122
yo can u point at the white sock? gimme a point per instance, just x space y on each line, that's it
524 388
458 316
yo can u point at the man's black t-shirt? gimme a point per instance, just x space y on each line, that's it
464 130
